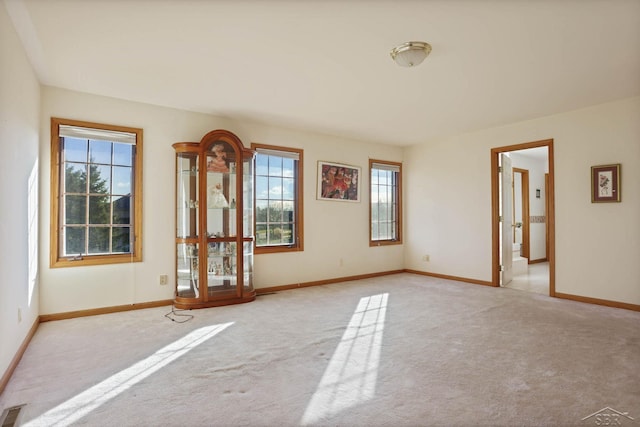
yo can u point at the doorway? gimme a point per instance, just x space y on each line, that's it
497 225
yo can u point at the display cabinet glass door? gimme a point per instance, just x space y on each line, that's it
187 209
222 265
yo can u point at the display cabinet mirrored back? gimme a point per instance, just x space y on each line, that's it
214 221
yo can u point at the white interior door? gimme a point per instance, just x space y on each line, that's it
506 211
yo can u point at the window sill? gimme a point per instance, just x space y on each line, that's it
374 243
276 249
95 260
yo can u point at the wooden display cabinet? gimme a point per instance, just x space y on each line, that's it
214 222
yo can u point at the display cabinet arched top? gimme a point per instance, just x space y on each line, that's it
214 221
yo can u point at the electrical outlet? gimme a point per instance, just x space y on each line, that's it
341 263
425 258
19 314
164 279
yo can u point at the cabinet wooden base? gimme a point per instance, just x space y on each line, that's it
186 304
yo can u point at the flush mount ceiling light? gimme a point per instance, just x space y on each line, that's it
410 54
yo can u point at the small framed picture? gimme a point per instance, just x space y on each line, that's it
338 182
605 183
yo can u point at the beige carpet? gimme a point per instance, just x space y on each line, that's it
401 350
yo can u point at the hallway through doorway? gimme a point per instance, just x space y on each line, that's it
536 279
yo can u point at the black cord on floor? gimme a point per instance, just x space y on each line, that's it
178 313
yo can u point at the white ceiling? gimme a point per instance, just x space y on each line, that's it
324 66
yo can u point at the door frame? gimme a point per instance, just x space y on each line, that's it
495 210
546 212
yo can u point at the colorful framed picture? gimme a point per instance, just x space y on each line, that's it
338 182
605 183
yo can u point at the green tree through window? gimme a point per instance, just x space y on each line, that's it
90 231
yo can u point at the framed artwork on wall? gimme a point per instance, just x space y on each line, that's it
338 182
605 183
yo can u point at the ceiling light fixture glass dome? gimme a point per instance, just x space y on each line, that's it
410 54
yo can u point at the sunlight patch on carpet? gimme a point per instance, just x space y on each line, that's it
350 377
80 405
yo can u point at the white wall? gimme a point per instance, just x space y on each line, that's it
449 206
19 120
537 231
333 230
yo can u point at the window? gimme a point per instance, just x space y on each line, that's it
386 203
279 204
96 193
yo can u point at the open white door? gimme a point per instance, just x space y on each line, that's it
506 213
